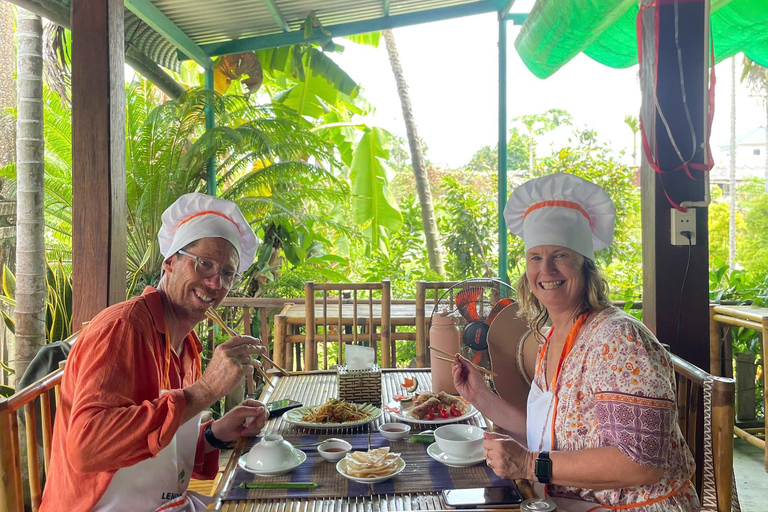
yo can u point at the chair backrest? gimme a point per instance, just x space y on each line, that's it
44 391
705 408
340 311
509 348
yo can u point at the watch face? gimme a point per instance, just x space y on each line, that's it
543 469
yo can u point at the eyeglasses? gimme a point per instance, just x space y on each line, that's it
207 269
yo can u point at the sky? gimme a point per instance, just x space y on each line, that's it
451 68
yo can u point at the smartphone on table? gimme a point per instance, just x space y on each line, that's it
278 407
482 497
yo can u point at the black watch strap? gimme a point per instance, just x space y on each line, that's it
213 440
543 468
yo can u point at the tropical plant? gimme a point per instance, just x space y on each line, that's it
539 124
58 304
633 123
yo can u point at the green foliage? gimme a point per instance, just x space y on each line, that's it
58 304
487 158
373 206
469 226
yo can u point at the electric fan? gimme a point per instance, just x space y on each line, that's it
475 302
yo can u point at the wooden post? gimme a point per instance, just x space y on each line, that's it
745 386
722 440
11 490
421 331
715 345
98 157
279 347
664 265
386 323
310 344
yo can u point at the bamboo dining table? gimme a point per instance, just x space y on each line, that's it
314 388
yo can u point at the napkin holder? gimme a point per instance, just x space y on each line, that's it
360 386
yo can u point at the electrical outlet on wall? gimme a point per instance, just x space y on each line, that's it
683 222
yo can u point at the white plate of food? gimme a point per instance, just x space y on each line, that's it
417 409
334 413
371 467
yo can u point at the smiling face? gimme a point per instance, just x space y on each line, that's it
556 277
189 294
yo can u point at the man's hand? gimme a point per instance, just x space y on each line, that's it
245 420
231 361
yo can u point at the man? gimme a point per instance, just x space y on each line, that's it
128 435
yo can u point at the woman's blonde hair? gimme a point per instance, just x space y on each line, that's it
536 315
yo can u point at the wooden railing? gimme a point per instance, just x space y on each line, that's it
721 357
11 485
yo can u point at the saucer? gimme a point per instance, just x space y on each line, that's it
301 457
439 455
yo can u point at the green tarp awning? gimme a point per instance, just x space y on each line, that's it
605 30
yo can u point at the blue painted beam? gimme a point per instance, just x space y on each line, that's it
506 8
502 152
518 18
347 29
275 12
210 121
152 16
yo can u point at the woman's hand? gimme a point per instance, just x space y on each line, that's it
245 420
506 457
469 382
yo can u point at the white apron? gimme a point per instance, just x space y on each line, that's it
538 422
159 483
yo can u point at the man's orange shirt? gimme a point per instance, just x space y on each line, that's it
111 414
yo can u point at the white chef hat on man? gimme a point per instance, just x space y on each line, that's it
195 216
562 209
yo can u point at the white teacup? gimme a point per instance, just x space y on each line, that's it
272 453
461 441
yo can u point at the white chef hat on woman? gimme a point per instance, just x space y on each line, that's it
195 216
562 209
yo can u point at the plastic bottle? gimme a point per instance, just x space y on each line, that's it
444 334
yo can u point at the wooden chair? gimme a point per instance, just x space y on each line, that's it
347 308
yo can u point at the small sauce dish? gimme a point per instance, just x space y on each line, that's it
395 431
335 450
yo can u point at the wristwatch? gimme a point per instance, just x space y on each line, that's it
213 440
543 468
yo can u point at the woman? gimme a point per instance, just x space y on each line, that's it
601 424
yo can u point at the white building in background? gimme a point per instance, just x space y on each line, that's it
750 159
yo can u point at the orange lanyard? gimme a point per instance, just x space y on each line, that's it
569 341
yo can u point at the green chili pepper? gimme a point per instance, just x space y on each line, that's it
278 485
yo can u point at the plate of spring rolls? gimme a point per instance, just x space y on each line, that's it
431 408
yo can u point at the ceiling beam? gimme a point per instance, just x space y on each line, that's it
275 12
152 16
517 18
346 29
507 7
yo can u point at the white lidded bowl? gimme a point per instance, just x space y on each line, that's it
272 453
333 451
395 431
461 441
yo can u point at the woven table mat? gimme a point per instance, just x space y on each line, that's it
424 474
421 474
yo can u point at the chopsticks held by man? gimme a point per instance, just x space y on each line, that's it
128 433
